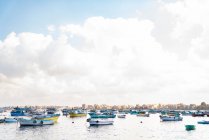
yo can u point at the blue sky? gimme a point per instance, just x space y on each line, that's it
36 15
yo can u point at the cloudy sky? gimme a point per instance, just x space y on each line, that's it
114 52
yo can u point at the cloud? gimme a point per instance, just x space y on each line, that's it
162 58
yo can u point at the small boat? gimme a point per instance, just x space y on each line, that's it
203 122
198 114
10 120
143 114
122 116
1 110
77 113
32 122
190 127
175 117
101 122
20 111
1 120
53 117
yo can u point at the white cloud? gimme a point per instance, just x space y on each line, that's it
116 61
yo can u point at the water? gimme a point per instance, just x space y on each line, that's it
123 129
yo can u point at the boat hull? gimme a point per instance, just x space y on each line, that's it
101 122
203 122
77 115
171 118
10 120
35 122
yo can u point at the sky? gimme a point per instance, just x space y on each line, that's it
103 52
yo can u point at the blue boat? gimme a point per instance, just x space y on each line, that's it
10 120
19 112
203 122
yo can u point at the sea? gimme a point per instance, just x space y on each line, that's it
130 128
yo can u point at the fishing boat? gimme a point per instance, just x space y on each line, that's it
101 122
171 118
77 113
51 110
19 111
1 120
134 112
10 120
143 114
122 116
203 122
34 122
1 110
198 114
53 117
102 115
190 127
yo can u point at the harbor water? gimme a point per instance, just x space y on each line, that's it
132 127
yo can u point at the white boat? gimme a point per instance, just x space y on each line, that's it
122 116
34 122
101 122
10 120
171 118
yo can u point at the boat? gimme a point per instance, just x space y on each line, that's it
190 127
10 120
122 116
19 111
102 116
171 118
198 114
77 113
53 117
203 122
143 114
51 110
100 122
1 120
1 110
186 113
134 112
65 111
34 122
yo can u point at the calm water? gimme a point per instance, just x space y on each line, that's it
123 129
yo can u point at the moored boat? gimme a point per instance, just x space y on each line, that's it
34 122
203 122
171 118
20 111
10 120
53 117
198 114
143 114
77 113
122 116
101 122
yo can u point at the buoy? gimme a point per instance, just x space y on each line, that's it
141 122
72 122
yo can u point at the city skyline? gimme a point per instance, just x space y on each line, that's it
103 52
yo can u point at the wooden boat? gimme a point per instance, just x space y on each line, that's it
1 120
143 114
53 117
77 113
32 122
198 114
171 118
122 116
101 122
10 120
203 122
190 127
